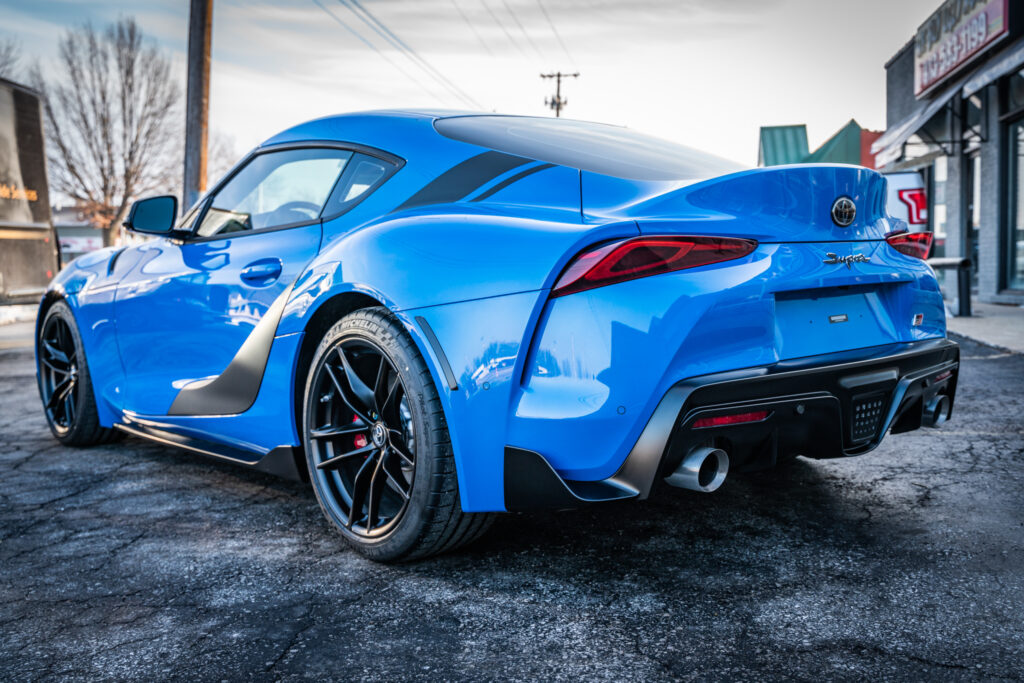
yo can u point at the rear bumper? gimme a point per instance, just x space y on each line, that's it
826 406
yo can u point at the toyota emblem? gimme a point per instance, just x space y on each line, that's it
843 212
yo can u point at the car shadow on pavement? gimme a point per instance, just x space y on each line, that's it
754 516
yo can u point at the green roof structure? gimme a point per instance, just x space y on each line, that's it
841 148
851 144
782 145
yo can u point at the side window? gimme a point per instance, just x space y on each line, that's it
363 175
275 189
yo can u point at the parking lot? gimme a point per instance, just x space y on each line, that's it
137 561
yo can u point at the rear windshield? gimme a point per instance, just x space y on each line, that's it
595 147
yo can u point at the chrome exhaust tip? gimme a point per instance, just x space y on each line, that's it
703 469
936 411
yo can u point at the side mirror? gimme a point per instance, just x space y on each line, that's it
153 216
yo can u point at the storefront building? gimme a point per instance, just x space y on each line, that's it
955 113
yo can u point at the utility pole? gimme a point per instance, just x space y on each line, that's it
556 102
197 100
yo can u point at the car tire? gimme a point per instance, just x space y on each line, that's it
367 378
65 384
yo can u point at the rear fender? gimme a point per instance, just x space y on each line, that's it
478 341
481 310
484 342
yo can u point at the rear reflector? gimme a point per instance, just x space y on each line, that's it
917 205
916 244
643 256
736 418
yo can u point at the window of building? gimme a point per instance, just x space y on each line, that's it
937 216
1015 229
1014 93
972 226
973 118
275 189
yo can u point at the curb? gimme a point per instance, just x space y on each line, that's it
990 345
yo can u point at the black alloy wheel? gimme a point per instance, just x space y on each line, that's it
65 384
58 373
363 437
377 444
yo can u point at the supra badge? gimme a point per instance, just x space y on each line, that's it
843 212
852 258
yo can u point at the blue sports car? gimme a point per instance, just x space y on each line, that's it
437 316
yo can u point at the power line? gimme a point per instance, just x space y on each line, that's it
554 30
501 24
373 47
472 28
396 44
523 29
466 97
381 29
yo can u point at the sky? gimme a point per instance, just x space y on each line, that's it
705 73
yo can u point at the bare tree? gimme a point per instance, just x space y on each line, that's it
221 156
112 121
10 55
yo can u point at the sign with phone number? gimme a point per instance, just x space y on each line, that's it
955 34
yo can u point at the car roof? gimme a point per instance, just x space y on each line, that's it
424 137
407 133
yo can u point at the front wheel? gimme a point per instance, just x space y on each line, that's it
65 384
377 445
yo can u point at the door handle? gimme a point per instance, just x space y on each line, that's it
262 272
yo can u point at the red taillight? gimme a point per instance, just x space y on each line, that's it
917 205
733 419
642 256
916 244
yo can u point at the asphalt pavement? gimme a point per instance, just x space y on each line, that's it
137 561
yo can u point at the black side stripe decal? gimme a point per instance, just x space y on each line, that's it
508 181
463 178
449 376
235 390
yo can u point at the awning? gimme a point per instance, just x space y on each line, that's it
1011 60
916 163
886 148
